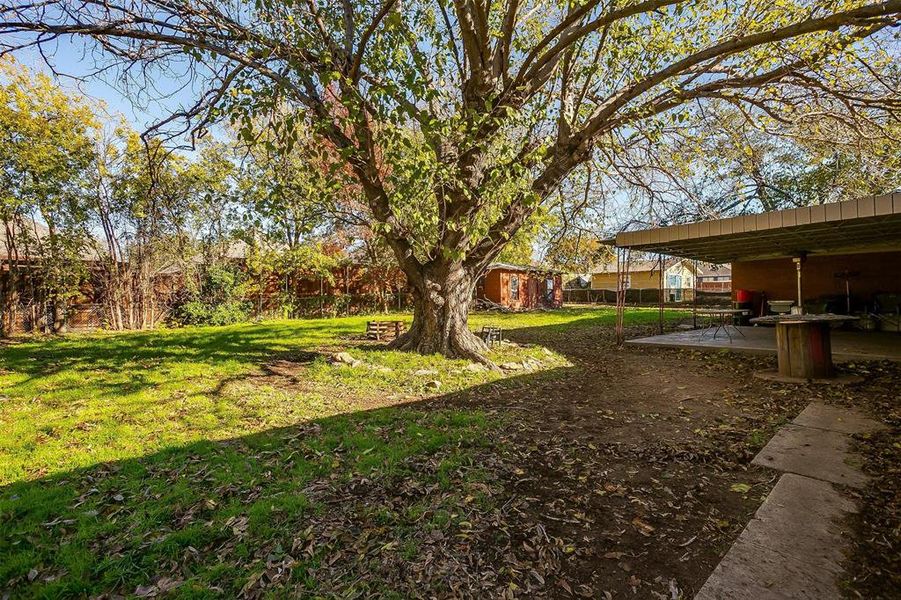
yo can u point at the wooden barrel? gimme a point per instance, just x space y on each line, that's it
804 350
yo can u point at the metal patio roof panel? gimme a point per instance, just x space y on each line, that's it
873 222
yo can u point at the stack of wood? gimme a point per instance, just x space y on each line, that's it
486 304
384 331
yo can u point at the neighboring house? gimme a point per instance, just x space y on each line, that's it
678 277
521 287
714 278
580 281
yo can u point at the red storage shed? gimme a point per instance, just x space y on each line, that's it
520 287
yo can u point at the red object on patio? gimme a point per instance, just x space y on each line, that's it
744 296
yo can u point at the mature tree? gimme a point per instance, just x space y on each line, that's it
459 119
46 149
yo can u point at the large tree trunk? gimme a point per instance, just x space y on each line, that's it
442 295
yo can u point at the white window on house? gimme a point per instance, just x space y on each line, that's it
514 287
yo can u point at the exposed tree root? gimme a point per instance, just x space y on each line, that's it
462 345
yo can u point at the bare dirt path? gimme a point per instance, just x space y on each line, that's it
634 466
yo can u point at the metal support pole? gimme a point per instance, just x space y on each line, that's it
694 308
660 292
619 308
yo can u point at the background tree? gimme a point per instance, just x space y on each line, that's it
211 183
458 121
46 149
719 159
521 248
287 186
142 204
576 252
758 165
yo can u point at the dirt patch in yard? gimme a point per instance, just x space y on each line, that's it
637 465
626 475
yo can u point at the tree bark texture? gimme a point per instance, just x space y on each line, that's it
442 294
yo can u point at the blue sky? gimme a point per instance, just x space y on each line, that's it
141 105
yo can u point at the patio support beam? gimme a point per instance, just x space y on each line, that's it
660 292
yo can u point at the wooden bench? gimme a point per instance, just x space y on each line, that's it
384 330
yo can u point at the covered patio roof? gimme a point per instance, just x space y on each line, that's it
867 224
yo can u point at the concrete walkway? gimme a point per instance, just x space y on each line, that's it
794 546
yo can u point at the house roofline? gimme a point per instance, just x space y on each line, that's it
521 268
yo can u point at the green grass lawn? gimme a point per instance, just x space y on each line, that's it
122 456
75 401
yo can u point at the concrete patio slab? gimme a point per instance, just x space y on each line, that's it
834 418
817 453
846 345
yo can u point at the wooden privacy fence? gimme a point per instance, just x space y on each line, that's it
35 318
334 305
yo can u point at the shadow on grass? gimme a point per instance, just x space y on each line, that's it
136 361
374 502
256 343
351 503
130 350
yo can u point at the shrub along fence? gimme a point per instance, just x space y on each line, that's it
336 305
648 297
91 317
